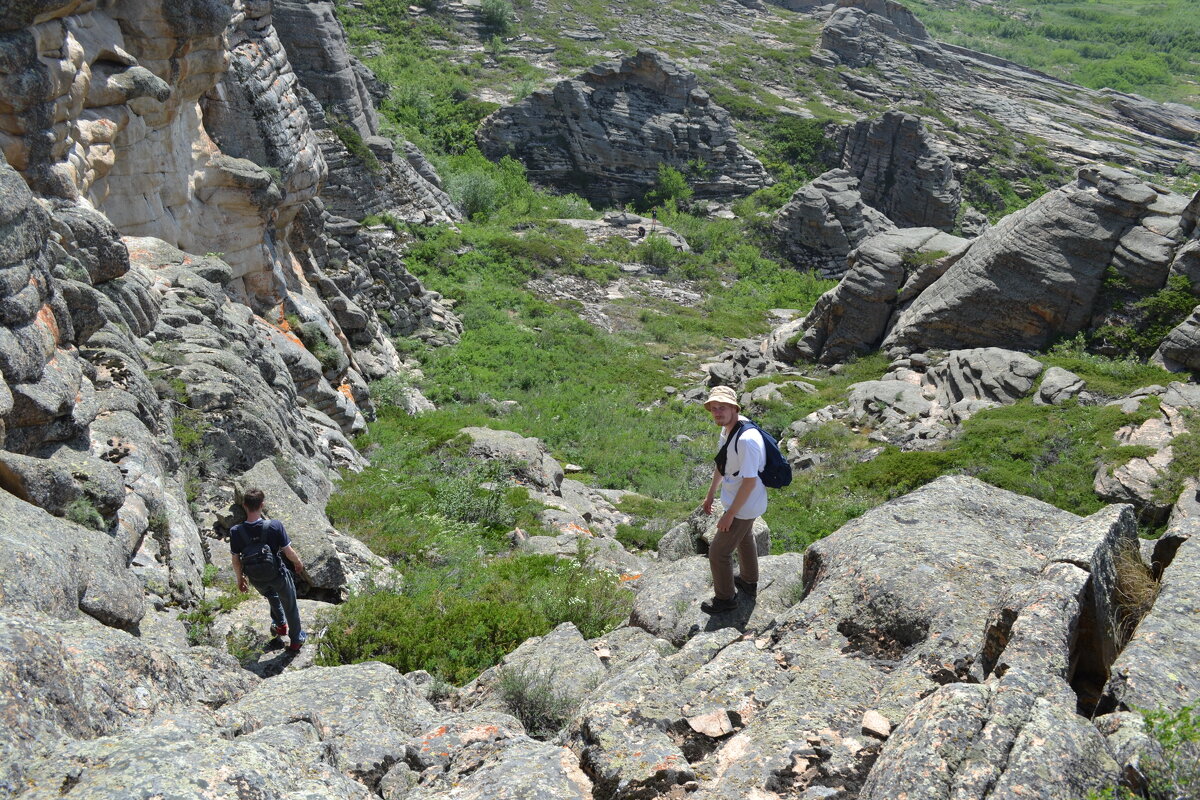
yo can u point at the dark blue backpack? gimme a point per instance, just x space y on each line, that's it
260 562
777 472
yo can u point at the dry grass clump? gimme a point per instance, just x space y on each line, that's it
1136 590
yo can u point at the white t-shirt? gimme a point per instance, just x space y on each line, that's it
746 458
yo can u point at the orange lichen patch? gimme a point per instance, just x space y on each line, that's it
47 322
630 576
441 731
480 734
571 527
346 391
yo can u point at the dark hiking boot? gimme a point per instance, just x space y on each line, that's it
718 606
279 630
747 588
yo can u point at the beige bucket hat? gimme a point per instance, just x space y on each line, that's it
723 394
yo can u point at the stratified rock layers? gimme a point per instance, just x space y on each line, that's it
603 135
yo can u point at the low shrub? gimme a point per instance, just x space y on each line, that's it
457 622
1173 772
638 538
82 512
1136 590
534 698
497 15
352 139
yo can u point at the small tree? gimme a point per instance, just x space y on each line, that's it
497 15
670 186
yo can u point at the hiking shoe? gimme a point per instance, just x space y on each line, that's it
717 605
750 589
279 630
295 646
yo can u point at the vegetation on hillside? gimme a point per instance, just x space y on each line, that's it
1151 47
598 397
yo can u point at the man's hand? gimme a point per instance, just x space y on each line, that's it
708 503
243 584
725 521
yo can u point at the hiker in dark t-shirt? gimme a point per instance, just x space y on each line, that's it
278 587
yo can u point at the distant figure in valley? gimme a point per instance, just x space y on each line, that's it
258 547
744 498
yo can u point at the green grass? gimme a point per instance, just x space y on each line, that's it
1112 377
1151 47
457 623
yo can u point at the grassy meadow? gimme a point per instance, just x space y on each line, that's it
1151 47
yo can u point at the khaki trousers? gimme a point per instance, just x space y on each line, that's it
720 557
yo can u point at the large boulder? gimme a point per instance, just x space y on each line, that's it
188 755
668 598
604 134
63 569
883 275
368 711
824 221
1036 275
63 680
902 172
862 32
1042 635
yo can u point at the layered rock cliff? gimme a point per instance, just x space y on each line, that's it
181 307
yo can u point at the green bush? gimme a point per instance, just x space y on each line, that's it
316 340
497 15
390 391
353 141
1172 773
478 193
637 538
1112 377
457 623
657 251
535 699
671 187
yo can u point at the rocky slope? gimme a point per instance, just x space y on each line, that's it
189 307
181 308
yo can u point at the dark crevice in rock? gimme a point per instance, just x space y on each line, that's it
995 639
884 643
1088 665
697 746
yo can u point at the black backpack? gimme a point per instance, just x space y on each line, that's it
776 473
260 563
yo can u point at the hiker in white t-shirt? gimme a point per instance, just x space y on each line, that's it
744 498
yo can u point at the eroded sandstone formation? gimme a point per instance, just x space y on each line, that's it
603 134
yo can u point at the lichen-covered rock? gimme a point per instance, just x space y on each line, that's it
508 769
186 755
668 598
1043 633
369 711
61 568
528 456
80 680
1058 386
622 733
604 134
988 373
